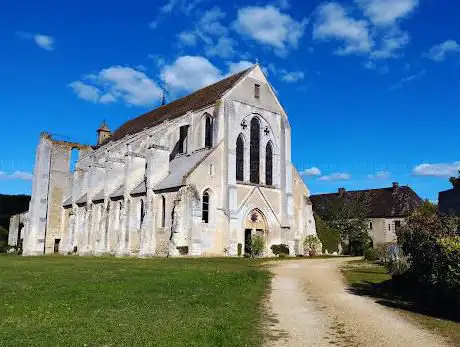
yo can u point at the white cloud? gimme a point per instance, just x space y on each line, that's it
437 170
187 38
268 26
43 41
439 52
153 24
223 48
313 171
408 79
18 175
284 75
391 42
85 91
292 77
189 73
387 12
282 4
239 66
210 30
169 6
118 83
334 22
337 176
157 59
184 6
380 175
377 35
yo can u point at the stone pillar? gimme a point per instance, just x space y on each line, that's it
13 233
34 238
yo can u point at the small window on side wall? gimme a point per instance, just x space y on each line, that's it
183 139
257 91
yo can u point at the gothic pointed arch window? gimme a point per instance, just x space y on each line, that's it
254 151
240 158
208 132
269 164
205 207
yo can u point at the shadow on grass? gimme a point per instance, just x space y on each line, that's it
401 295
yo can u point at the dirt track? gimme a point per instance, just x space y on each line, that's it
310 306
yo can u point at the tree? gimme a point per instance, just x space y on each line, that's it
329 237
419 240
3 239
258 245
455 181
348 215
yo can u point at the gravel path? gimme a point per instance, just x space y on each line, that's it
310 306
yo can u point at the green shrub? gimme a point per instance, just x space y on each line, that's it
280 249
240 249
448 267
397 267
311 245
370 254
329 237
419 241
3 239
183 250
386 251
258 245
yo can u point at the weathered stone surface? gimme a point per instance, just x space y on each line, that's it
155 193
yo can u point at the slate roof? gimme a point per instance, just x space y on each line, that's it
179 167
140 189
82 199
67 202
99 196
199 99
119 192
383 202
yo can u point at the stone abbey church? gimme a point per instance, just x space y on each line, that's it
199 176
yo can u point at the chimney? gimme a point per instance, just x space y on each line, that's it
103 133
341 192
395 187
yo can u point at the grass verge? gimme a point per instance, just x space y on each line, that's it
77 301
373 280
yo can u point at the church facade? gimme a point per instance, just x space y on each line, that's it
199 176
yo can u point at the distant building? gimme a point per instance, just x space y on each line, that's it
387 208
449 201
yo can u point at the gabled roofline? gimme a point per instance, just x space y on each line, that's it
268 83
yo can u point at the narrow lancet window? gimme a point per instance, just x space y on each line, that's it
163 211
208 132
269 164
240 158
205 207
254 150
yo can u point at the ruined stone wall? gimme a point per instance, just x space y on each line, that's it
52 183
16 229
60 187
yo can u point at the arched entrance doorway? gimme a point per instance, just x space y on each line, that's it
254 224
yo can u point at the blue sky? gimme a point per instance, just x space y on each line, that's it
371 87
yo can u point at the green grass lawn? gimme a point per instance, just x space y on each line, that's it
77 301
373 280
